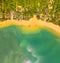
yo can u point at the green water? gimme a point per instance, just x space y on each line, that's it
16 47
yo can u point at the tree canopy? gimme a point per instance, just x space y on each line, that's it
48 10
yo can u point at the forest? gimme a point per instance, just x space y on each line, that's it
46 10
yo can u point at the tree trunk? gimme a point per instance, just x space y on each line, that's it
11 15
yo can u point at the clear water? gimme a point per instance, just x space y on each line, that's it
16 47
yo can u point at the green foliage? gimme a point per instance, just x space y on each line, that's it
49 8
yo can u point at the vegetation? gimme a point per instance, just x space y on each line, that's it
48 10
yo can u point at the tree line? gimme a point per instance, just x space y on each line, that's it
48 10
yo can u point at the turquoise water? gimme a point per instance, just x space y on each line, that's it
16 47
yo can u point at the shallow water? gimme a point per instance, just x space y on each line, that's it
40 47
